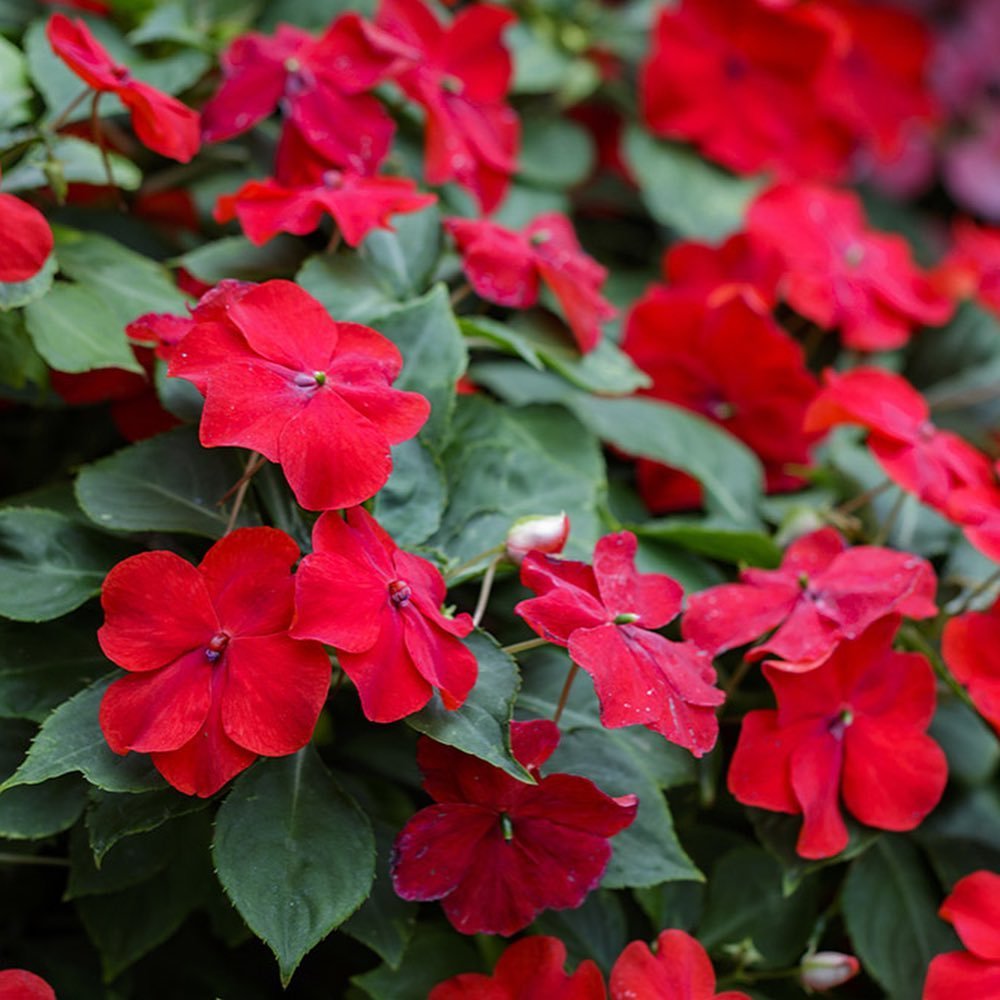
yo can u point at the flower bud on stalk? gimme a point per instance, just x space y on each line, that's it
540 532
823 970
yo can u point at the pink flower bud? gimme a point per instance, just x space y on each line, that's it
539 532
825 969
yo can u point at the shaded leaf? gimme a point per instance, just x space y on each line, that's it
411 503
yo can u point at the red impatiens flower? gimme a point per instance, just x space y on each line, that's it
732 364
604 615
852 729
823 593
497 851
215 678
841 274
25 239
460 75
279 376
680 970
505 266
970 648
358 205
530 969
161 122
381 608
740 81
974 908
19 984
972 268
319 85
913 453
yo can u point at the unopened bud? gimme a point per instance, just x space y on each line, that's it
825 969
539 532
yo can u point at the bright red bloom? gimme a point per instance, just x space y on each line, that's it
161 122
497 851
358 205
913 453
822 594
853 729
381 608
460 75
279 376
972 268
19 984
216 679
974 908
505 267
25 239
603 615
741 81
680 970
732 364
841 274
977 510
970 648
319 85
530 969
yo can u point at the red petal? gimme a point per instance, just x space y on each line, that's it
974 908
760 771
76 45
680 969
815 768
25 239
19 984
959 974
734 614
161 122
444 662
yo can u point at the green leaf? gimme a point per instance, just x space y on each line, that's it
76 330
890 908
730 473
79 162
15 94
746 901
555 152
237 257
294 854
715 540
166 483
434 356
411 503
131 861
596 930
686 192
481 727
345 285
403 260
15 294
49 565
71 740
20 363
505 463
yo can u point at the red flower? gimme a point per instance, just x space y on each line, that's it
25 239
680 970
497 851
530 969
604 615
822 594
460 75
853 729
505 266
974 908
319 85
358 205
741 82
280 377
732 364
19 984
913 453
215 679
381 608
840 273
969 646
161 122
972 268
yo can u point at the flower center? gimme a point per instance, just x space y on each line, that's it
452 84
309 380
626 618
121 73
215 648
542 236
332 178
854 254
507 827
841 721
735 67
399 593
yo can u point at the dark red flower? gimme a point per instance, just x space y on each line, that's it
603 615
357 204
913 453
161 122
19 984
823 593
741 81
841 274
460 75
505 266
530 969
970 648
732 364
381 608
25 239
852 730
215 678
680 970
497 851
279 376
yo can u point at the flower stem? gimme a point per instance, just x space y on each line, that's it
564 694
918 641
484 591
882 535
458 570
980 588
736 678
60 120
32 859
862 499
463 291
254 464
95 127
523 647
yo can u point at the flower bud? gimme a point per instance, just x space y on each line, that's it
540 532
823 970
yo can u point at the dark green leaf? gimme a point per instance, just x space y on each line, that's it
15 94
555 152
129 862
20 363
969 744
237 257
79 162
345 285
404 260
411 503
716 540
596 930
294 854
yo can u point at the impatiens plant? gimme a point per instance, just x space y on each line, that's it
499 500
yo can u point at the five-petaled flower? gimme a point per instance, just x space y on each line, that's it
215 680
497 851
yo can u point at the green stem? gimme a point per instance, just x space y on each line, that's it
981 588
883 533
484 591
523 647
33 859
919 642
564 694
458 570
60 120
